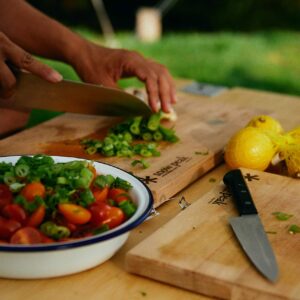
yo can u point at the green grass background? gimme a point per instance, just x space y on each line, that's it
262 60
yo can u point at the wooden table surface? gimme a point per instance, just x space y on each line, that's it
110 279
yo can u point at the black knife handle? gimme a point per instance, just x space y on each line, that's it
234 180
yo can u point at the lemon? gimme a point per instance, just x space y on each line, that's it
291 155
265 122
249 148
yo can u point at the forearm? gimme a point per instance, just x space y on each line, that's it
37 33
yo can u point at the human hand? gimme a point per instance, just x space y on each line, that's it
106 66
12 53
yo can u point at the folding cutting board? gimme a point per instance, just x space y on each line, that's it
203 126
198 251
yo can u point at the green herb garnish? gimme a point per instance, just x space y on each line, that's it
293 229
281 216
141 162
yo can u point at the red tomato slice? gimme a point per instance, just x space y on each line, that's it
45 239
15 212
74 213
26 235
118 195
6 195
37 217
103 213
8 227
100 194
32 190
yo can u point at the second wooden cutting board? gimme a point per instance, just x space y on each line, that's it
197 250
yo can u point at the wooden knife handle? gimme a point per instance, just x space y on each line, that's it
234 180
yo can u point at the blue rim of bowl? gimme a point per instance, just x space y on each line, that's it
85 241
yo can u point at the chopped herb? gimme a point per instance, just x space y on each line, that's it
293 229
29 207
201 152
128 207
281 216
54 231
121 184
212 179
141 162
101 229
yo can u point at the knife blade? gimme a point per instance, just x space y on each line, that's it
248 227
68 96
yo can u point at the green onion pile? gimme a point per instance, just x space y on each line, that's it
125 139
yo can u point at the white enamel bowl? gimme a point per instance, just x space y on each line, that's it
59 259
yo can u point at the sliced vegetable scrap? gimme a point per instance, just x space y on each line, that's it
141 162
281 216
294 229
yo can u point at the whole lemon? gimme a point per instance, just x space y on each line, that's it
266 123
249 148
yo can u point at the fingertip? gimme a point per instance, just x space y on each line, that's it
54 76
174 99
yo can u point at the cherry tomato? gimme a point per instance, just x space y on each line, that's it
33 189
46 239
8 227
15 212
100 194
37 217
6 195
74 213
103 213
118 195
26 235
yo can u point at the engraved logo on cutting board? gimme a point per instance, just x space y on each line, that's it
165 170
223 196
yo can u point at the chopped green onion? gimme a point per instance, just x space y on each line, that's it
54 231
61 180
86 198
135 126
154 121
9 178
144 164
128 207
281 216
22 170
294 229
122 184
16 187
147 136
101 229
157 136
91 150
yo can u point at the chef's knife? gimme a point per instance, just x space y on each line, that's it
67 96
248 227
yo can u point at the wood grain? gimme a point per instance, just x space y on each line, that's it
197 250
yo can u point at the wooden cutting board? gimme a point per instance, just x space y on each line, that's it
203 126
198 251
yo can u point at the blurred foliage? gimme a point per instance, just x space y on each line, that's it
245 15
